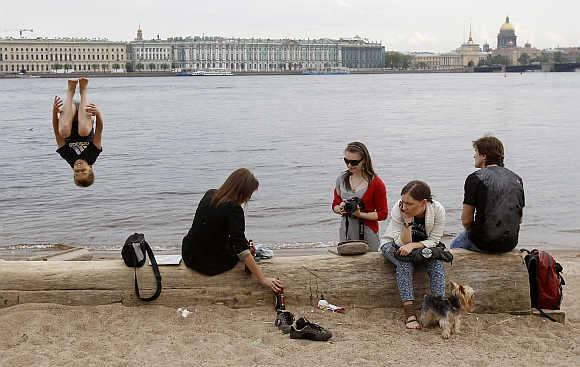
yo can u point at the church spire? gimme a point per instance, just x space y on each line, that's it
470 38
139 34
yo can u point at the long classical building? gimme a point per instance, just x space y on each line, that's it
42 55
436 61
252 55
469 54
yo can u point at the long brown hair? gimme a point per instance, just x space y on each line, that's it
360 148
238 188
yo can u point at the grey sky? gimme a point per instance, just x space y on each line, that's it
400 25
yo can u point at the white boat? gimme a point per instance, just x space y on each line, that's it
213 72
208 72
26 76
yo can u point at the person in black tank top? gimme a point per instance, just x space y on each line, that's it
78 143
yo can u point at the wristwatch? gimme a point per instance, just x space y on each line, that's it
408 224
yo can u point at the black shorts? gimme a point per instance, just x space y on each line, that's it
74 133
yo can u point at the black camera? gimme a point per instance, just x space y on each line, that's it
351 205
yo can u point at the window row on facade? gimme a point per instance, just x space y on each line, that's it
55 49
56 67
265 67
60 57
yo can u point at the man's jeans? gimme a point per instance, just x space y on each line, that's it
462 241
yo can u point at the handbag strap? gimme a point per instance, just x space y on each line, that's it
155 267
361 228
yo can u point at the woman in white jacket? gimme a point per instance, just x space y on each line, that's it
417 221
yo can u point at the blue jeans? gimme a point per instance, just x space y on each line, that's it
404 274
462 241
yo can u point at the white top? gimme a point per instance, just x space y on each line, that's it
434 224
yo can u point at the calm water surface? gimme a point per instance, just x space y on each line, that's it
167 140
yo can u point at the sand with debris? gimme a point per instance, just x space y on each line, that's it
115 335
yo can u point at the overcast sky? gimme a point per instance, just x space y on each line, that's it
399 25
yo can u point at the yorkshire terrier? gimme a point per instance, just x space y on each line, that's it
446 312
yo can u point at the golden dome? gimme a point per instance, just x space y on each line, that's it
507 26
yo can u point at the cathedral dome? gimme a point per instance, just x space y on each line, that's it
507 26
506 38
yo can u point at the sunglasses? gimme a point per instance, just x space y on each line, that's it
352 162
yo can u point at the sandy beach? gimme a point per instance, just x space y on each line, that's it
115 335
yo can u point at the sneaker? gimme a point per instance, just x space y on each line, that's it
304 329
284 320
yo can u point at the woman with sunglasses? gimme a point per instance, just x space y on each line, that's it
360 181
417 221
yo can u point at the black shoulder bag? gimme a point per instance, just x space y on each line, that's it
134 253
426 254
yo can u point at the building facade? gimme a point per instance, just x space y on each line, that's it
569 54
436 61
190 53
56 55
360 54
261 55
513 55
470 53
252 55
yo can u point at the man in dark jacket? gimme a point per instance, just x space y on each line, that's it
493 202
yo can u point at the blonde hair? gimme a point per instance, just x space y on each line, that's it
85 180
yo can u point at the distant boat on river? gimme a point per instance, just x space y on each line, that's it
208 72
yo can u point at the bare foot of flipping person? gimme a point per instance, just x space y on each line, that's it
72 84
83 83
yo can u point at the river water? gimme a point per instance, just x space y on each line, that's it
167 140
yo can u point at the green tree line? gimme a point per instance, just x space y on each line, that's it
397 60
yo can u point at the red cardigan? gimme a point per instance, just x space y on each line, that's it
375 199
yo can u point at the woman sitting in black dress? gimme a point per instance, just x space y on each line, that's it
216 240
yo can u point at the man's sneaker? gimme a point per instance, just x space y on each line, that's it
304 329
284 320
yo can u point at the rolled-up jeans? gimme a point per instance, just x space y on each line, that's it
462 241
404 274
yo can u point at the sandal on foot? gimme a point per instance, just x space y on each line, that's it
410 320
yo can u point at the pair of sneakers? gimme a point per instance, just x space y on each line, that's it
300 328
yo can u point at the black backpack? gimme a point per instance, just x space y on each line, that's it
134 253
